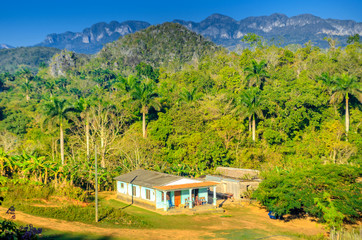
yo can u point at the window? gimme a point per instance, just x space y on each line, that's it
122 185
134 191
163 196
148 194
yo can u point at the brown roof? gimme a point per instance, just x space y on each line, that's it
187 186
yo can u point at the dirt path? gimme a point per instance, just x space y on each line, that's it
77 227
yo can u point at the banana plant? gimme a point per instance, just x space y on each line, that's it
6 163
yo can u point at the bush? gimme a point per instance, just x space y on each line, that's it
72 192
18 192
295 192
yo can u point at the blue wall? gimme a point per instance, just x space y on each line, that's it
156 195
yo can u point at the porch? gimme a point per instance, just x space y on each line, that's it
206 208
186 196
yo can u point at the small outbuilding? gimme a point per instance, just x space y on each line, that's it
161 191
235 182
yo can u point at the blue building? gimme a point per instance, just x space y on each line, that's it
161 191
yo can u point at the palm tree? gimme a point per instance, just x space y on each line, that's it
83 106
25 74
327 80
188 96
5 163
250 106
145 95
57 111
27 88
341 87
50 85
256 73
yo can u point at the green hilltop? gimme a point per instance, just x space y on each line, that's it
166 45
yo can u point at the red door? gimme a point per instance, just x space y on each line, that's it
177 198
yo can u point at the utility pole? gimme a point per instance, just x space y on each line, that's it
96 185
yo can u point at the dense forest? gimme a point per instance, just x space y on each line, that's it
25 57
168 100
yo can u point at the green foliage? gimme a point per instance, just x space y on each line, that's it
273 137
201 104
30 57
353 39
168 44
252 39
332 217
304 191
146 71
15 122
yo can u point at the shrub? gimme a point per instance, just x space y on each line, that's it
294 192
72 192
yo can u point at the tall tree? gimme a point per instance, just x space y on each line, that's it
256 73
26 76
250 106
57 112
26 86
83 106
145 95
342 86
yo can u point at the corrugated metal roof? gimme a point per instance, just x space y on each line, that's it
220 178
147 178
187 186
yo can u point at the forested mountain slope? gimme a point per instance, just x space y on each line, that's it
168 44
29 57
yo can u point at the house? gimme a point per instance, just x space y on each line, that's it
235 181
161 191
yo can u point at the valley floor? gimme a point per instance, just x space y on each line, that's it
239 221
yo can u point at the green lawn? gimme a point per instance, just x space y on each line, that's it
113 213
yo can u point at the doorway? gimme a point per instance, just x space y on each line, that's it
177 198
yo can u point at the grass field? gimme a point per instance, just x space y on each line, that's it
123 221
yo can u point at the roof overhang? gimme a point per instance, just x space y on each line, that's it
186 186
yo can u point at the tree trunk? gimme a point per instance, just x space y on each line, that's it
53 149
87 136
144 124
103 161
254 127
46 176
347 117
249 124
61 143
102 150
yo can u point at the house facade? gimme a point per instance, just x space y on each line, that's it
161 191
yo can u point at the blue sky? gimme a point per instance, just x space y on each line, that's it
24 23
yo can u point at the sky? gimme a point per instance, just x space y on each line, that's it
25 23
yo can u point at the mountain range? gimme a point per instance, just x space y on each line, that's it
294 30
221 29
5 46
91 40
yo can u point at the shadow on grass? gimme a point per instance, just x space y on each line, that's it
55 235
245 234
126 206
